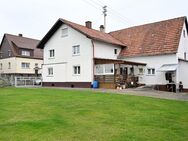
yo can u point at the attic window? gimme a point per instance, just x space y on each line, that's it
64 32
185 55
115 51
184 34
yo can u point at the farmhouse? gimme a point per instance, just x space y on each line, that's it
151 54
19 57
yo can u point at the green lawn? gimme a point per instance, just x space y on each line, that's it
67 115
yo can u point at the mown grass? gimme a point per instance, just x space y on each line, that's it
68 115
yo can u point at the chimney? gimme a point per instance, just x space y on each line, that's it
20 35
89 24
102 28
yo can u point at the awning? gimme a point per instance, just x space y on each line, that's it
168 67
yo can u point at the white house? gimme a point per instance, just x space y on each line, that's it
76 55
19 57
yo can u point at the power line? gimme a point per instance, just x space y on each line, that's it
112 11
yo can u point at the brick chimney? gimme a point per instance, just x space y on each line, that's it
20 35
89 24
102 28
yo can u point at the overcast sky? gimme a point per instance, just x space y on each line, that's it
33 18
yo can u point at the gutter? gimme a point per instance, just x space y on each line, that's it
93 56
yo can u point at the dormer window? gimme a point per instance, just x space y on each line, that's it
9 53
64 32
25 53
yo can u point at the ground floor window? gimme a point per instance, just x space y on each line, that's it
104 69
151 71
50 71
76 70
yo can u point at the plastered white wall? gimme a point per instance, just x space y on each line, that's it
104 50
183 44
154 62
64 61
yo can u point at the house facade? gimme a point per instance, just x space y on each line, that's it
76 55
19 57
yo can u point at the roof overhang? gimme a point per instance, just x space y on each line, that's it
116 61
168 67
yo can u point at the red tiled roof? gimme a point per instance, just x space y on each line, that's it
24 42
90 33
151 39
94 34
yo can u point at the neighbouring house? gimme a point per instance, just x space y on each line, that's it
152 54
19 57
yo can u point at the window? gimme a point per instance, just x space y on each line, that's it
64 32
76 70
115 51
9 65
185 55
9 53
52 53
151 71
25 53
104 69
1 66
76 50
109 69
140 71
50 71
36 65
184 33
25 65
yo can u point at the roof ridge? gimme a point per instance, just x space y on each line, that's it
21 36
148 24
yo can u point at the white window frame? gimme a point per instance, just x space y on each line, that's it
50 71
76 50
140 72
26 53
25 65
77 72
151 71
9 53
104 69
64 32
51 53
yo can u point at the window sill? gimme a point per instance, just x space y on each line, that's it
75 54
150 75
50 76
76 75
51 58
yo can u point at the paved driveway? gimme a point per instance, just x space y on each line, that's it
139 92
148 93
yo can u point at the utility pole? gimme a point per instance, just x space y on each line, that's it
104 13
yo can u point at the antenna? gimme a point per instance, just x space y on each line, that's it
104 13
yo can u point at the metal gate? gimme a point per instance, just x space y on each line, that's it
28 82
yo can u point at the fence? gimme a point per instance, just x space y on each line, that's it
28 82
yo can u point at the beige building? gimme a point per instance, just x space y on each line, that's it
19 57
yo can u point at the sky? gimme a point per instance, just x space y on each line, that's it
34 18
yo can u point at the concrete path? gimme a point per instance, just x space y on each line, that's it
139 92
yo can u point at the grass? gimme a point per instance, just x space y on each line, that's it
68 115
